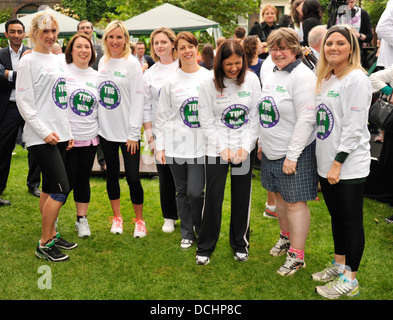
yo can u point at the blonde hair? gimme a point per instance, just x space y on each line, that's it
285 37
170 34
325 69
41 21
109 28
269 6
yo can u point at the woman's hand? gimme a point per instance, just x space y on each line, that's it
70 144
132 146
289 167
52 138
160 157
226 155
259 153
240 156
333 175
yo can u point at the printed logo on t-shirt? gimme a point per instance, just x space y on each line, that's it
189 112
59 93
82 102
109 95
268 112
235 116
325 121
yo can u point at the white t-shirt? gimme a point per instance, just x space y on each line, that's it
82 101
120 97
342 116
178 130
41 97
154 78
287 112
229 119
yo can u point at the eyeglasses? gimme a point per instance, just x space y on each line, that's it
276 50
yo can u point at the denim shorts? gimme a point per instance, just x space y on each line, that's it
302 186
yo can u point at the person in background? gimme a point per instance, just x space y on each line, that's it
382 81
81 87
229 118
120 114
163 52
343 155
10 118
384 33
239 34
312 16
41 98
145 60
253 48
315 38
262 30
287 141
207 57
360 21
297 16
180 142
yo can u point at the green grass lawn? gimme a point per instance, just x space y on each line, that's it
119 267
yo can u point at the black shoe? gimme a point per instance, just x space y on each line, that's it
50 252
64 244
4 202
35 192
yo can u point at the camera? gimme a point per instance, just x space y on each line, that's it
333 9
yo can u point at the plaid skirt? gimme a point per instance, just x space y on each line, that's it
302 186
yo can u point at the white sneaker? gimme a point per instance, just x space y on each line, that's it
140 228
117 225
83 228
202 260
186 243
169 225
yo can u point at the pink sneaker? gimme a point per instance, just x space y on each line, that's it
140 228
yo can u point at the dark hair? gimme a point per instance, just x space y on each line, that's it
240 32
225 50
14 21
208 56
187 36
250 45
312 8
70 46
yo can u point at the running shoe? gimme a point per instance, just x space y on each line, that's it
202 260
117 225
336 288
63 244
270 212
186 243
240 256
169 225
140 228
292 264
82 226
50 252
281 246
331 272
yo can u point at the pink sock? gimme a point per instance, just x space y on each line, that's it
300 253
285 233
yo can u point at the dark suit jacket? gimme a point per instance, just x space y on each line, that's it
6 86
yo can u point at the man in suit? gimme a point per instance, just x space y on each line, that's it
10 119
145 60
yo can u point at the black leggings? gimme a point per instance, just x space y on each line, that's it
131 167
79 162
51 160
345 204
